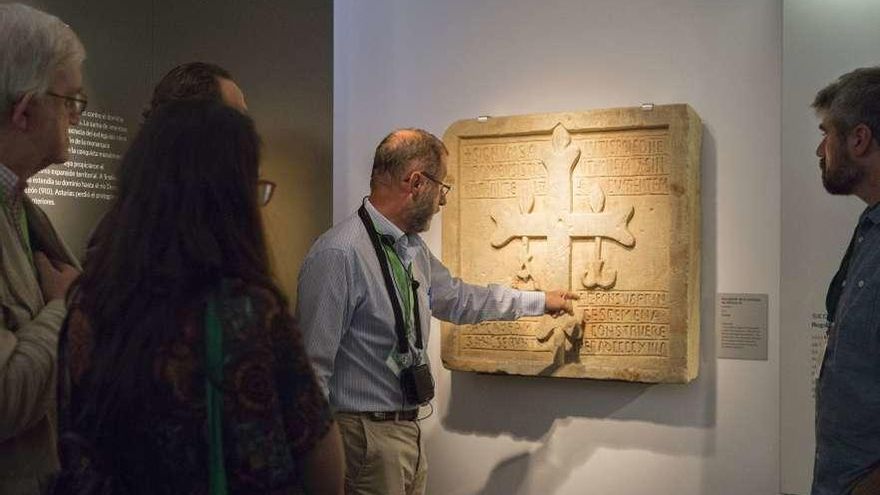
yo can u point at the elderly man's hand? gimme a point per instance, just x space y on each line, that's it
558 302
55 277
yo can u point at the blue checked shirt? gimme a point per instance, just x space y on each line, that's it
10 189
8 182
347 320
12 196
848 390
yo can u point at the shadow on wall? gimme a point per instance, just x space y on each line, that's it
549 410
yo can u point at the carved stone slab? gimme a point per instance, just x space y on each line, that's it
604 203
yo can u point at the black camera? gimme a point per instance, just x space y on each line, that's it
417 384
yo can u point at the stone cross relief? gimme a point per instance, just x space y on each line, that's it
560 225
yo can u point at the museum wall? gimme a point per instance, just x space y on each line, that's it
116 78
428 64
819 45
280 53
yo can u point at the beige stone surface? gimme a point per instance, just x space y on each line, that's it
604 203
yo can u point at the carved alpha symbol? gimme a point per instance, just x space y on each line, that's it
560 224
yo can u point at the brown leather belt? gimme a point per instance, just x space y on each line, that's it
409 415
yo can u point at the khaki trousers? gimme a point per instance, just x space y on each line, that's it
382 457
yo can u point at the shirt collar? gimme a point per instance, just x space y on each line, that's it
382 224
871 213
10 185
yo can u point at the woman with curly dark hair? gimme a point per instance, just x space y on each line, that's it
181 370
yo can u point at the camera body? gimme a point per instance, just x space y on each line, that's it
417 384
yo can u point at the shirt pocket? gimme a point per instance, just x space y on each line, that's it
856 344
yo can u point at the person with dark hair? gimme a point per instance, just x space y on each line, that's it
189 81
181 369
848 389
367 290
197 80
41 96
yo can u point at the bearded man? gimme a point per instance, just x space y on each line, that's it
367 291
848 390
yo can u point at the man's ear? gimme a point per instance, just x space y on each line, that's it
860 140
21 112
415 181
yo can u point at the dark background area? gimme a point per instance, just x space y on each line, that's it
279 52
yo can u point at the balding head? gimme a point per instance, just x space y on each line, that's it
406 150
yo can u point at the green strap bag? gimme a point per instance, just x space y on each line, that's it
214 399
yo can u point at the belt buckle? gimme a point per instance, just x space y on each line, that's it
382 416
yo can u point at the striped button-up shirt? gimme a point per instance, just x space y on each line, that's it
347 320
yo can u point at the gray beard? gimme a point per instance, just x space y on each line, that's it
420 217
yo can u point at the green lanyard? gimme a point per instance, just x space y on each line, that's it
214 399
402 281
403 346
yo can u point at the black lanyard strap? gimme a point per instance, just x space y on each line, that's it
417 321
399 326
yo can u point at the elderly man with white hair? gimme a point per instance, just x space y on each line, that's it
40 98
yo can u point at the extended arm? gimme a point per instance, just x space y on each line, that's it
459 302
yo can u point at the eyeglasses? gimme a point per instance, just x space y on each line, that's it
265 188
444 188
76 104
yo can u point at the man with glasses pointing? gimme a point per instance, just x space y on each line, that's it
40 98
367 291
